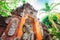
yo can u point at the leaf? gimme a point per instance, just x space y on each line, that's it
47 6
6 7
55 5
24 1
4 14
55 18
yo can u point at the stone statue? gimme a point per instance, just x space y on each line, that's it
28 34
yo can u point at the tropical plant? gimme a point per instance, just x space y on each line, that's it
49 8
51 19
6 6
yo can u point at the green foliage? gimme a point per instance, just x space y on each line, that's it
24 1
48 21
6 7
51 20
55 33
55 18
48 8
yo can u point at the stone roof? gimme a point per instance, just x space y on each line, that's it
21 8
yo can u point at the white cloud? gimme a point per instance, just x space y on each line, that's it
34 3
19 4
56 1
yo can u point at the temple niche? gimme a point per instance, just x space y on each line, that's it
28 9
28 34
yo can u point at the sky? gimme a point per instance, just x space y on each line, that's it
39 4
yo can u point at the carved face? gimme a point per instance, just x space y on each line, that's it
30 11
21 14
24 28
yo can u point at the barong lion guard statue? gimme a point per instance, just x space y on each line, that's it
24 25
